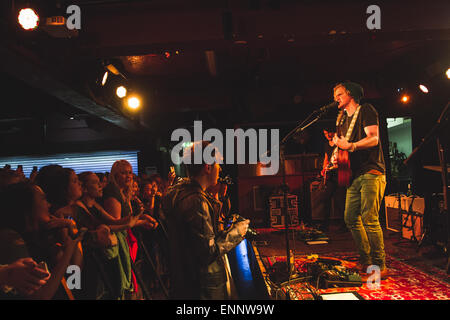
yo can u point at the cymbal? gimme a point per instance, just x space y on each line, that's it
436 168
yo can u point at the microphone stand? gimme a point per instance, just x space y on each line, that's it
302 126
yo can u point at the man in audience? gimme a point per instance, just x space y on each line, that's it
197 248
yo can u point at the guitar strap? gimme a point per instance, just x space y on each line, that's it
352 124
349 130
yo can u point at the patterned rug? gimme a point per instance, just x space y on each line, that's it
404 282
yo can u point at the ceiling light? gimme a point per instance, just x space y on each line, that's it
133 103
448 73
105 77
423 88
121 91
28 19
405 98
112 69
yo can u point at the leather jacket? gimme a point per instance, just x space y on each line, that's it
196 246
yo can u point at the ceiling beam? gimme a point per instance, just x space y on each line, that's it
36 76
133 30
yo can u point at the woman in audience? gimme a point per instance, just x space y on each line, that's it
156 241
151 198
137 207
117 198
8 176
104 247
103 179
23 234
63 189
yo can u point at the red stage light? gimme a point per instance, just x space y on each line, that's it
405 98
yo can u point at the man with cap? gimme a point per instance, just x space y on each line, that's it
366 190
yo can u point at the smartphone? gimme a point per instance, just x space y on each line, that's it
42 265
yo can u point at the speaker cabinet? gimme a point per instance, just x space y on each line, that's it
412 217
393 213
406 218
276 212
318 205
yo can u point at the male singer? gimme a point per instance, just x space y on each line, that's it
365 193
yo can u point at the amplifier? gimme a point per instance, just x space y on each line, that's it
412 217
393 213
276 213
318 203
402 219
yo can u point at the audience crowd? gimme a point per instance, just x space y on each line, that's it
109 225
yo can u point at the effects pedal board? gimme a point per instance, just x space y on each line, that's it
329 273
312 235
341 277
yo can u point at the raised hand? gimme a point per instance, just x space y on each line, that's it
26 276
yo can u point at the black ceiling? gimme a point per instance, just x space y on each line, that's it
225 62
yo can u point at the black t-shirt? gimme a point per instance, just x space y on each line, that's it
362 161
112 191
90 220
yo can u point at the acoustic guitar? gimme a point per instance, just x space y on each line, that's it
340 162
340 159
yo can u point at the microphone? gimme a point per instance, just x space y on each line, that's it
332 105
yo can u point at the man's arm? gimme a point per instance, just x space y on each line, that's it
371 140
205 242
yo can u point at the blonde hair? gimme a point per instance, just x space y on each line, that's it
115 169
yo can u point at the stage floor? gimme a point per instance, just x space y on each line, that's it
428 258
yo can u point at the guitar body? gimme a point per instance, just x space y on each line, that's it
344 170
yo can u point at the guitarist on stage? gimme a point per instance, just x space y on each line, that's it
358 134
329 189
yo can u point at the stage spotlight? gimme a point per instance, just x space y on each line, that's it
112 69
423 88
405 98
133 102
121 91
105 78
28 19
448 73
